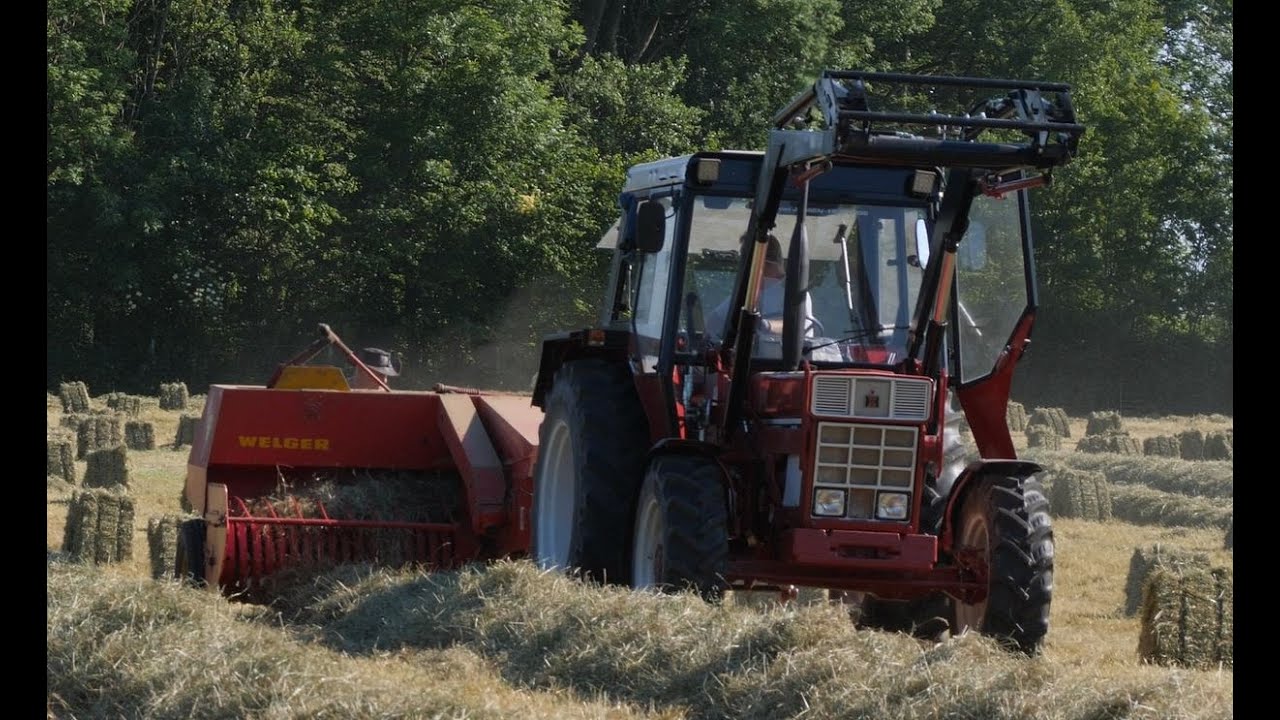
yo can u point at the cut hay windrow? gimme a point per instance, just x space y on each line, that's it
99 527
1043 436
174 396
1104 423
186 433
1188 619
1083 494
1191 443
107 468
60 456
124 403
1147 560
1117 443
1200 479
1218 446
96 432
75 397
1015 416
1055 418
1162 446
1144 506
162 544
140 435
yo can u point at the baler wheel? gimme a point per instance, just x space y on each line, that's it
188 566
1006 520
592 445
681 536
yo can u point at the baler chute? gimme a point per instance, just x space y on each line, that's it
304 472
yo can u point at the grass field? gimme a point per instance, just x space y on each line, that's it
512 642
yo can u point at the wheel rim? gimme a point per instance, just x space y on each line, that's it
557 488
646 557
975 537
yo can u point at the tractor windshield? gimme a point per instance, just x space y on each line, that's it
864 277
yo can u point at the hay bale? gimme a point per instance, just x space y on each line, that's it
1104 423
1055 418
1043 436
1218 446
162 543
1118 443
174 396
80 535
1146 560
60 456
107 468
1191 444
97 432
186 434
1187 619
1015 416
75 397
100 525
140 435
1083 494
1162 446
124 403
1142 505
1227 543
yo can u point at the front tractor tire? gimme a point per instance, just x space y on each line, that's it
592 445
1005 520
681 537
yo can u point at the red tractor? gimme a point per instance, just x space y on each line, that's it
748 418
742 417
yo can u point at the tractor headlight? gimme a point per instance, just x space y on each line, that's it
891 506
828 502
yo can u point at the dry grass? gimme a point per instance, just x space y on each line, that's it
1203 478
512 642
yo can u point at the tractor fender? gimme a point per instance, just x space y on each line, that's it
561 348
1021 469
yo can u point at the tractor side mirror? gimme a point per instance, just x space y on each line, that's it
651 226
921 258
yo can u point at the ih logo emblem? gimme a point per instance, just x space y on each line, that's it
871 400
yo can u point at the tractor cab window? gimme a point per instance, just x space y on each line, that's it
991 283
864 276
651 274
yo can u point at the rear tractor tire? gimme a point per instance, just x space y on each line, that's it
592 445
681 537
1006 520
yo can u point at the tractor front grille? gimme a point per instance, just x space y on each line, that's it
864 460
871 398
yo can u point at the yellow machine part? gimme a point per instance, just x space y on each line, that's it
311 377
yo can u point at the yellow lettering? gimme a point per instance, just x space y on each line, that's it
322 444
275 443
264 441
248 441
306 443
291 443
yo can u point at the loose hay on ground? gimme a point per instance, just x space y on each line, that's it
1187 618
1198 478
1148 559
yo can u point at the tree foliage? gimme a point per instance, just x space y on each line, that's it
432 176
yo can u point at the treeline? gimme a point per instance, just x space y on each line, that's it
432 176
